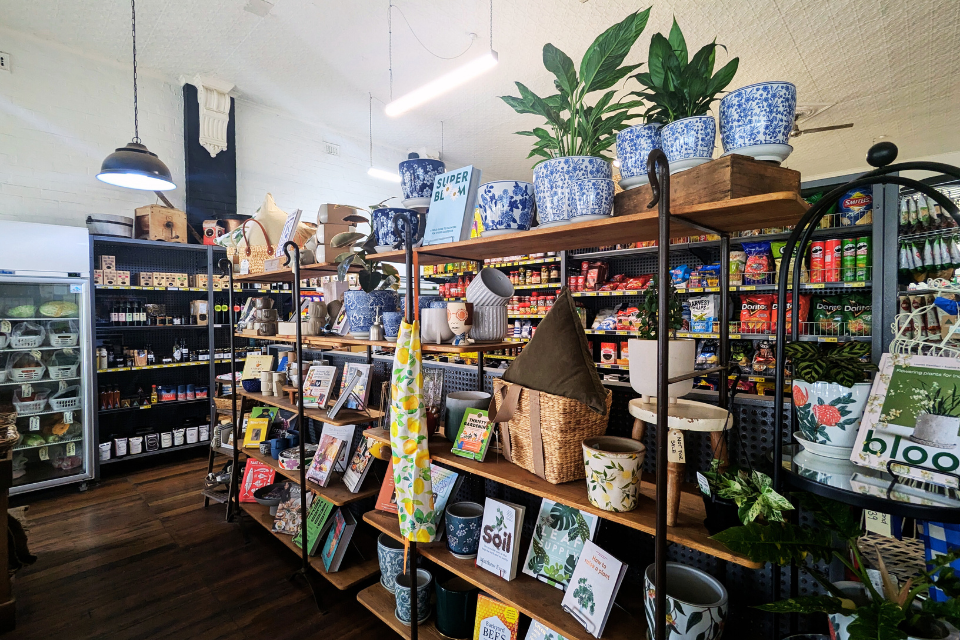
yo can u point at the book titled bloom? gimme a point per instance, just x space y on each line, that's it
451 206
473 439
500 537
495 620
256 475
558 539
593 588
324 460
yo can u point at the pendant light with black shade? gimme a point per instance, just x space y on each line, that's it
134 166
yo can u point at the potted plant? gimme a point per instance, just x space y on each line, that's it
643 349
378 280
829 392
856 611
577 134
680 92
737 496
756 120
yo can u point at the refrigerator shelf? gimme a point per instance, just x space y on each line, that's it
35 349
40 381
38 319
47 413
47 444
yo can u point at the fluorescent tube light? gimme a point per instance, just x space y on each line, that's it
383 175
443 84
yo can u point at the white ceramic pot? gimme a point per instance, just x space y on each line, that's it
696 603
490 288
489 323
435 329
643 366
936 431
460 318
829 413
613 467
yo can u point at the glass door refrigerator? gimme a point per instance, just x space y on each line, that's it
46 359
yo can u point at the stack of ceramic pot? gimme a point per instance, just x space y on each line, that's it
489 293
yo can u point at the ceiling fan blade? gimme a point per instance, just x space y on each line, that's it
830 128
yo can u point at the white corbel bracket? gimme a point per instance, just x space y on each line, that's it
214 100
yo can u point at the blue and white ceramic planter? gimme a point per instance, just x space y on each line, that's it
402 593
360 305
594 199
689 142
390 554
391 324
382 221
462 521
754 117
506 206
417 176
634 145
423 302
553 184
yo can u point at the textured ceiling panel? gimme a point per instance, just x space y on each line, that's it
887 65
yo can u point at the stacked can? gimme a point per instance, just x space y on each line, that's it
832 259
849 260
863 259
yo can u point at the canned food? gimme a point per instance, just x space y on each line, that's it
832 259
863 259
849 260
816 261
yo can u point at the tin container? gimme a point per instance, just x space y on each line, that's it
848 269
816 261
863 259
832 259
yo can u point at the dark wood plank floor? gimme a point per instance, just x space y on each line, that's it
139 557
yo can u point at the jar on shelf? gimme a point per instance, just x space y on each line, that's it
554 273
535 277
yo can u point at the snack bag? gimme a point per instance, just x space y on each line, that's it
858 314
738 260
680 275
759 266
827 315
803 312
856 206
763 360
776 248
703 313
741 352
708 354
755 313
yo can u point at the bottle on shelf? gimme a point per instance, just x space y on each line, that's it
176 352
103 398
153 395
102 358
151 359
140 397
128 310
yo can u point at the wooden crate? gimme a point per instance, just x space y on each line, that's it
156 222
725 178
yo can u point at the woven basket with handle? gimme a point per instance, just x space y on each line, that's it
255 255
542 433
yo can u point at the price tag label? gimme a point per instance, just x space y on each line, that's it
71 448
878 523
828 340
63 385
244 267
26 390
44 453
748 287
36 354
695 289
704 484
856 284
68 417
34 423
734 336
605 293
675 452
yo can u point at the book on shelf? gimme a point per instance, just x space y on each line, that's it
495 620
452 204
319 519
359 467
473 437
258 430
324 460
558 538
538 631
356 397
344 432
387 498
338 539
256 475
254 365
593 588
445 484
317 385
287 520
270 413
500 537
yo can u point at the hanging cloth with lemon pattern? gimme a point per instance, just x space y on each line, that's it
408 439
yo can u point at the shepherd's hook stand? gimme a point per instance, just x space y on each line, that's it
233 497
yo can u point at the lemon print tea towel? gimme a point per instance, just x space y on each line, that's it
408 439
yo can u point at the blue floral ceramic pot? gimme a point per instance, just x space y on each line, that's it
390 554
382 221
506 206
690 139
462 521
423 302
391 323
402 593
553 184
594 199
417 176
360 305
634 145
758 114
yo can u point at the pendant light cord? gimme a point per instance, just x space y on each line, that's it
136 126
371 129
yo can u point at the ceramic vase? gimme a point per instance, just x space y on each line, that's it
460 319
462 522
456 404
634 145
506 206
490 288
390 554
643 371
553 185
456 608
489 323
417 176
391 324
594 200
360 305
402 593
382 223
434 328
829 413
613 467
689 142
696 603
756 120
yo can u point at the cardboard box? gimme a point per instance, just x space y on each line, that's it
108 263
199 280
335 213
98 276
181 280
123 278
198 312
326 232
145 279
157 222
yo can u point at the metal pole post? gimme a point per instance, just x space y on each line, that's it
226 265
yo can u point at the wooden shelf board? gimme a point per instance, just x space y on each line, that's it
689 531
349 575
382 604
346 341
736 214
536 599
336 492
285 274
344 416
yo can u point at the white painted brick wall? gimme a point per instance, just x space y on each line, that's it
62 112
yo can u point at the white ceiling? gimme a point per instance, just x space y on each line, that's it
889 65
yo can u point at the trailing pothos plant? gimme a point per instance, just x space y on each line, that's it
374 274
574 128
647 322
676 88
843 364
752 491
890 613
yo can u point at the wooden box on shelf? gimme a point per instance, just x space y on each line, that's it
157 222
725 178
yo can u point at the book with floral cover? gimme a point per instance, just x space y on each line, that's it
593 588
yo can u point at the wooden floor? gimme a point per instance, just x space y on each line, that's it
138 556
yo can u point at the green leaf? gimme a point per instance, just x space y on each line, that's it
833 515
562 517
608 51
878 621
723 77
344 266
660 49
695 618
519 105
559 64
677 42
806 604
346 238
779 543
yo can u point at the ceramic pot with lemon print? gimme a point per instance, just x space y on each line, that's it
613 472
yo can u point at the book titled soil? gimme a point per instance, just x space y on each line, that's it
500 538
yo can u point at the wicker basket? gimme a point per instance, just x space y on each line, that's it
563 425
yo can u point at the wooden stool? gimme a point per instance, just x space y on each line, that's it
682 415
